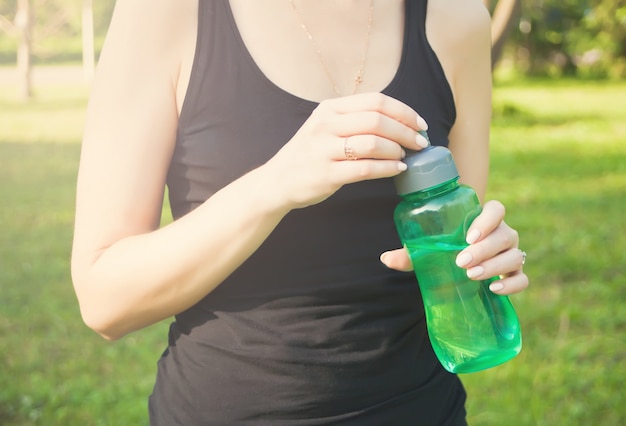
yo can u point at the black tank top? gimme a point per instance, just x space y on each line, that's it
312 329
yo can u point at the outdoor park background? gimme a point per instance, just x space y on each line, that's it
558 163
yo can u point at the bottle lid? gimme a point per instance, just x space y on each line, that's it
429 167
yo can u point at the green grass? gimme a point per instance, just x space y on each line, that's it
54 371
559 164
55 116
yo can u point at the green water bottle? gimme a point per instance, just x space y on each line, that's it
470 327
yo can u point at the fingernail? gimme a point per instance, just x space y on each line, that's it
402 166
421 123
496 286
476 271
463 259
403 154
383 257
473 236
421 141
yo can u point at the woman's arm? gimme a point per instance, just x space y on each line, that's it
494 244
127 273
128 141
465 55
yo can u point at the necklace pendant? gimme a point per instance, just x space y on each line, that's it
359 77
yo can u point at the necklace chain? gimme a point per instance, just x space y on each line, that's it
358 79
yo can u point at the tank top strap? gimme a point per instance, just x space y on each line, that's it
421 81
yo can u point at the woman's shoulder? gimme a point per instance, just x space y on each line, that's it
150 9
166 13
470 38
162 24
155 37
469 18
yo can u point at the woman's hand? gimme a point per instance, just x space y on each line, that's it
493 251
345 140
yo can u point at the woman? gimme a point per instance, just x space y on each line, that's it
276 126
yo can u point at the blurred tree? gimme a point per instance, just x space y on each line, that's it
600 47
548 37
57 28
89 58
23 24
546 27
572 37
504 14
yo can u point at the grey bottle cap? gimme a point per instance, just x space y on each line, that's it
426 168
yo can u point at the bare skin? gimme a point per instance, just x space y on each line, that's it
129 274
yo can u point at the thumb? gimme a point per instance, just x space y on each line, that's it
397 259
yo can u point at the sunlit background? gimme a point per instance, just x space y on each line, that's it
558 163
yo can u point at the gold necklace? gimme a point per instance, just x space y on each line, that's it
359 77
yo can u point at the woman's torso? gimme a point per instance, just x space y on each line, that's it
312 329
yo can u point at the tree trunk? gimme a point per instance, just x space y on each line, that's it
502 20
23 23
88 42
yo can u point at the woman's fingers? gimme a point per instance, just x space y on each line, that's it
345 172
507 262
397 259
346 140
494 251
490 245
377 102
486 222
374 114
376 123
510 284
369 146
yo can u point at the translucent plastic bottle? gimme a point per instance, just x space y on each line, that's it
470 327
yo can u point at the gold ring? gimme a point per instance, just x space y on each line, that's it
348 150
